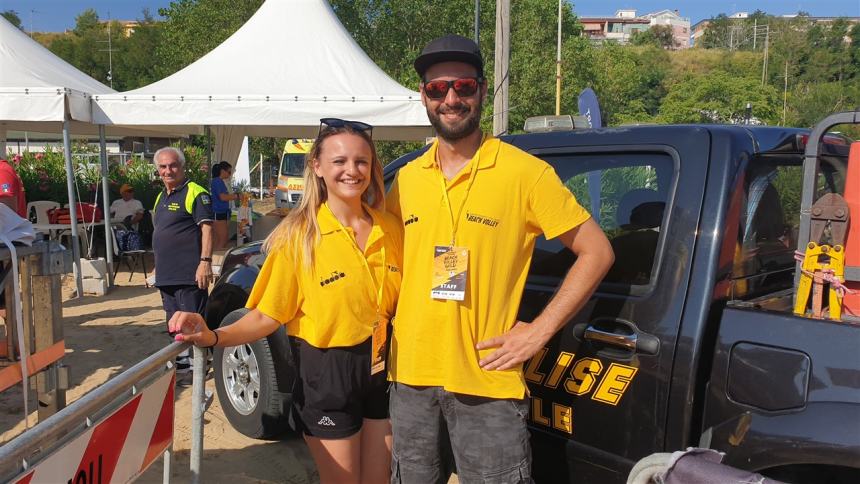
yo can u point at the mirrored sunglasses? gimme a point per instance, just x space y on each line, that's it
464 87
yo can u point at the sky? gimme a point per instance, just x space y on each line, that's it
59 15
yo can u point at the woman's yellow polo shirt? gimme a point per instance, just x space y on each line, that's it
334 302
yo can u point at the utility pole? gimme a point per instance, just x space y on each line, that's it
558 66
32 11
110 54
478 22
503 48
755 31
766 49
785 93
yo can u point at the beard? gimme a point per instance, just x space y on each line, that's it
459 129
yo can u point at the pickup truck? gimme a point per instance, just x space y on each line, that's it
689 341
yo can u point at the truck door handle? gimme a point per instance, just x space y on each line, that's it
618 333
626 341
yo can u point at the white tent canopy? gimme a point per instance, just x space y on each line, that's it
36 85
38 91
289 65
41 92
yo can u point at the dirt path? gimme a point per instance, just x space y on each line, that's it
107 335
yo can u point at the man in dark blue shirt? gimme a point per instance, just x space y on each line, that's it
181 240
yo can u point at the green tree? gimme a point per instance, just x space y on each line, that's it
134 65
83 47
192 28
657 36
393 32
86 22
13 18
719 98
717 33
629 82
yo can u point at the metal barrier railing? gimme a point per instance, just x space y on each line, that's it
28 449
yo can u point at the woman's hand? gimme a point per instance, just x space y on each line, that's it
191 328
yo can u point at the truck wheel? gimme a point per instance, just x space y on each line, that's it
247 386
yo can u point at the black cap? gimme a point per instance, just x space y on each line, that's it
449 48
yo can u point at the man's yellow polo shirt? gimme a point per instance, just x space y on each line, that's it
334 303
514 197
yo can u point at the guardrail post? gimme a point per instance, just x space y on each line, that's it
197 408
165 475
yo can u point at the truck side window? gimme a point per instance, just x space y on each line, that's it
767 236
627 195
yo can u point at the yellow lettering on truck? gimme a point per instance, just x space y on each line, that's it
614 383
582 376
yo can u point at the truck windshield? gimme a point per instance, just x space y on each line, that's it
293 164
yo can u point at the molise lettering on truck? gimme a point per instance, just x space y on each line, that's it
578 378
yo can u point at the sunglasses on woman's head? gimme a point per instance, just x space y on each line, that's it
464 87
340 123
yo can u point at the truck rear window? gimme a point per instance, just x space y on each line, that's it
769 221
627 195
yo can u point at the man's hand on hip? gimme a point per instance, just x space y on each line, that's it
204 274
514 347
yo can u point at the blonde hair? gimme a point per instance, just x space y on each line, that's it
299 232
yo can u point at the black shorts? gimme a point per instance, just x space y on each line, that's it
223 215
334 390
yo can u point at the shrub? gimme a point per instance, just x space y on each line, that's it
44 175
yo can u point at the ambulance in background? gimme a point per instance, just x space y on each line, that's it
291 184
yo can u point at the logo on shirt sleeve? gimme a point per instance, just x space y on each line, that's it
204 199
411 220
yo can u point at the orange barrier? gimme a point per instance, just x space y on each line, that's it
36 362
851 302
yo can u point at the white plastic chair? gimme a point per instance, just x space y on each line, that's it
40 209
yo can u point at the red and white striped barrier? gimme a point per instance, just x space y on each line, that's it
118 448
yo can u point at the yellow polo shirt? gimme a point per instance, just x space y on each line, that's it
513 198
334 303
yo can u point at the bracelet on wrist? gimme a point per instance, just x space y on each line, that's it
205 259
216 340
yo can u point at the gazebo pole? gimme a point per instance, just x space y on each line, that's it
208 147
2 143
106 198
73 209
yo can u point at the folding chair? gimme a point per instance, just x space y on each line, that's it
129 256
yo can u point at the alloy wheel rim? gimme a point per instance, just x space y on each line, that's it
241 377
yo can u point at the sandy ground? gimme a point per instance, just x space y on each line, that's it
107 335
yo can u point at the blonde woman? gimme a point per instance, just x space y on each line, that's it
332 276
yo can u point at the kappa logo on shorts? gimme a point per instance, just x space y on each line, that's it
326 422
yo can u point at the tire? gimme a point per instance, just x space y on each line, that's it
254 401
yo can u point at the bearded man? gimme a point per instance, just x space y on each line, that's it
474 206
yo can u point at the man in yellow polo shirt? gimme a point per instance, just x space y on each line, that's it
472 207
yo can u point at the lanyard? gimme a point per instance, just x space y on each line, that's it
472 175
360 254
